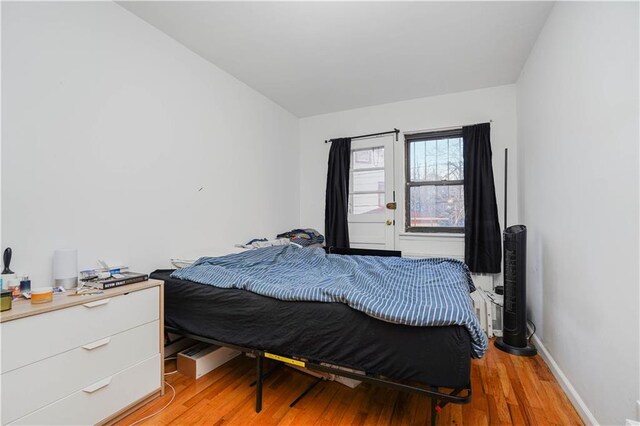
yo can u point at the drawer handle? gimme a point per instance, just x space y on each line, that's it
97 343
97 386
97 303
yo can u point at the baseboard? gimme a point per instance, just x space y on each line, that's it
574 397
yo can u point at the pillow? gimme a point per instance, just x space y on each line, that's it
189 258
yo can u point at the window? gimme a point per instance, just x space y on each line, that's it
366 194
434 197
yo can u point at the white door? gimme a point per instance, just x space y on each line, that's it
371 218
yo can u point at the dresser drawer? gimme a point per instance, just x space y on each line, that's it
26 389
101 399
37 337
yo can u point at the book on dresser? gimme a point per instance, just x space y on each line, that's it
118 280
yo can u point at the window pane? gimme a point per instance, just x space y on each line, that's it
436 160
442 168
455 160
417 166
367 203
436 206
367 158
370 180
431 160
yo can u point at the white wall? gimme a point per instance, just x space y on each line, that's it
478 106
111 129
578 139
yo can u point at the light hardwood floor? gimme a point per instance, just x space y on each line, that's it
506 390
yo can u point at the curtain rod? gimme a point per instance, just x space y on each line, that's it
413 132
396 131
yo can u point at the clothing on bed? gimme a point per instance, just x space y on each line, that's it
304 237
318 332
415 292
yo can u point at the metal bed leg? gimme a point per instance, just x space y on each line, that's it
266 375
435 408
258 383
306 391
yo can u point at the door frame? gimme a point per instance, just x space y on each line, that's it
388 143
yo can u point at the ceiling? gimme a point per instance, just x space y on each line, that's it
319 57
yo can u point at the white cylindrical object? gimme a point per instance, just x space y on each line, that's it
65 268
5 280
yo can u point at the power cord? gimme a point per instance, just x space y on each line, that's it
171 372
160 410
533 332
533 325
168 403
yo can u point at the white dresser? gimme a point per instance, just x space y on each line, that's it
82 359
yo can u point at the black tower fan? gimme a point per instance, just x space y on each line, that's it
514 309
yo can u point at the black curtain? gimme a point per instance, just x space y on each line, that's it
482 243
336 228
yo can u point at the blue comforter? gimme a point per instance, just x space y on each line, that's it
416 292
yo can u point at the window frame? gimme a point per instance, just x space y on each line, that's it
427 136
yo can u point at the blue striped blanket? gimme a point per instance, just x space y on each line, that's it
416 292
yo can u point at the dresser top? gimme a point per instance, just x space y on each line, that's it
24 308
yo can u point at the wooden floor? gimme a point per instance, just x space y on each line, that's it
506 390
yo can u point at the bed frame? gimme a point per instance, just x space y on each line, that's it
439 398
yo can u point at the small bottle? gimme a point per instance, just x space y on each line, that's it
25 285
14 287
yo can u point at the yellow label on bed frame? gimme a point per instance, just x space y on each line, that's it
284 359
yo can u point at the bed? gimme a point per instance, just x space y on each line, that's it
322 335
